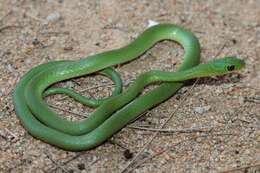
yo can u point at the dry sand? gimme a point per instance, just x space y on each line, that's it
35 32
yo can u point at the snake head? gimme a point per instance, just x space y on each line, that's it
227 64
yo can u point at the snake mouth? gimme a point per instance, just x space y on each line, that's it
243 63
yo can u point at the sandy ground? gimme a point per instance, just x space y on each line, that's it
227 108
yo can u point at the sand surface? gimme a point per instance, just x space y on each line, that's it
226 108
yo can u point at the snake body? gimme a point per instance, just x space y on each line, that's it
115 112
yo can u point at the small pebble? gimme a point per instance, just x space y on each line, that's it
234 41
241 100
35 42
53 17
71 84
201 110
228 85
69 48
151 23
84 171
81 166
128 154
10 68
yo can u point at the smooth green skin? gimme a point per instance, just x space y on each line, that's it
118 110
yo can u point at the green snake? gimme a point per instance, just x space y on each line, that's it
112 113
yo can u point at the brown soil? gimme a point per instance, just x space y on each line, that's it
35 32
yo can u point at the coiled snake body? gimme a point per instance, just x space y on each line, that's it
115 112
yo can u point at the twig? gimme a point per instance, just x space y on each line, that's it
240 168
64 163
183 130
11 133
57 164
8 27
139 116
114 142
94 87
162 126
170 147
89 88
159 153
56 33
72 112
112 26
252 99
2 18
199 32
3 136
250 87
221 49
218 134
35 18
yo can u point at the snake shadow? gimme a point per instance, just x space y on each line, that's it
218 80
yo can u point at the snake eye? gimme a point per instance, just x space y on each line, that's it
230 67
